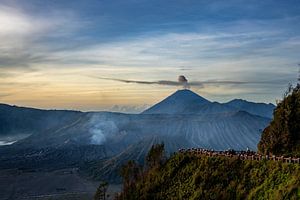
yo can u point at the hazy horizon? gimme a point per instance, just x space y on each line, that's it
103 54
124 108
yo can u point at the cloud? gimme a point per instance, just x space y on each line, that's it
4 95
49 39
14 22
128 108
193 49
24 36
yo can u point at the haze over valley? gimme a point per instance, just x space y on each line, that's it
57 139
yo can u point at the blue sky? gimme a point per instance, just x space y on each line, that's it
52 52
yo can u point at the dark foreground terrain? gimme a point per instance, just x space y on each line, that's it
64 184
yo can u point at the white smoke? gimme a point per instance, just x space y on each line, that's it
101 128
97 136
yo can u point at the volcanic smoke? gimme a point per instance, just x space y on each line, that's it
182 80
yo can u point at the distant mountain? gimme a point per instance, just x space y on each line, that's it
181 102
187 102
260 109
19 122
214 108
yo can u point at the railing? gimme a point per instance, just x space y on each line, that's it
243 155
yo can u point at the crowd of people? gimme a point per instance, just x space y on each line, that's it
243 155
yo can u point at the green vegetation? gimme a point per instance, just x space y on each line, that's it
186 176
101 191
130 173
282 136
155 157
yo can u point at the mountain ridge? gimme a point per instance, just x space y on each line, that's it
188 102
261 109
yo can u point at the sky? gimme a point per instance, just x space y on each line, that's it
98 54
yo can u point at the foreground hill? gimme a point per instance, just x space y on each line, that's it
282 136
192 177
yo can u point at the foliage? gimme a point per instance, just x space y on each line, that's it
101 191
202 177
130 172
282 136
156 155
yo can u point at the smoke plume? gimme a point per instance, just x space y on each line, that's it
183 81
100 129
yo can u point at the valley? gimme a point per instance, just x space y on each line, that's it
95 145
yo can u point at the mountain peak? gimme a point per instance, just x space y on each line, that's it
260 109
186 92
180 102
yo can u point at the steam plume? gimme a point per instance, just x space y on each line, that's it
183 81
100 128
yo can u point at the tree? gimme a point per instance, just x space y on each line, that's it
156 155
130 173
101 191
282 136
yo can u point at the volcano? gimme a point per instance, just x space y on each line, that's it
181 102
187 102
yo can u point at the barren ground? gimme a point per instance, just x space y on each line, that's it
61 184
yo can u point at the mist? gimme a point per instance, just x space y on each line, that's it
101 129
